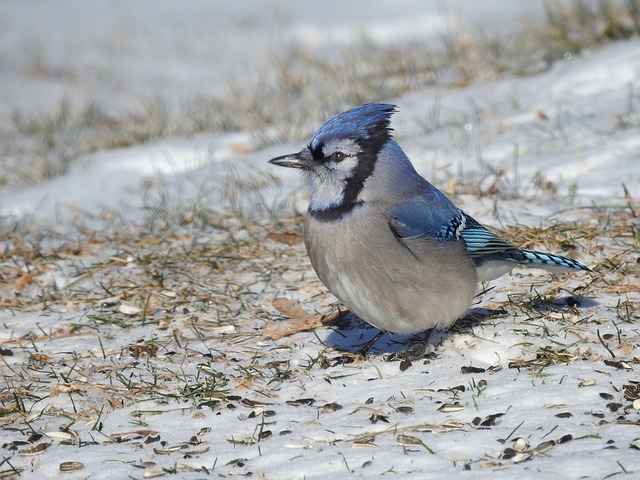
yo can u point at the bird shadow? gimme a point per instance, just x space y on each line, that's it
561 304
350 333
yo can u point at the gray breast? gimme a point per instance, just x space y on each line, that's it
395 287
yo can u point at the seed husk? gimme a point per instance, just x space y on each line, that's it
71 466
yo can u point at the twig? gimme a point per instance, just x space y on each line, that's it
627 197
613 355
513 431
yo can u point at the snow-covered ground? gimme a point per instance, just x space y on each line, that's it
576 126
146 356
133 337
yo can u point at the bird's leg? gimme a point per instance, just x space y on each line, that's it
427 336
364 350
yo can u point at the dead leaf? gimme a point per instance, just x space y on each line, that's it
138 349
627 348
246 383
23 281
300 321
116 403
278 330
289 308
288 238
39 357
67 388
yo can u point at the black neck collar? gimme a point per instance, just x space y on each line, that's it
331 214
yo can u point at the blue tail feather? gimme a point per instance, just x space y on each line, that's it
532 257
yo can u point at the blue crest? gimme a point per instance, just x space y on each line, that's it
359 122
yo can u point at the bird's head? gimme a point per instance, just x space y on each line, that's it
341 156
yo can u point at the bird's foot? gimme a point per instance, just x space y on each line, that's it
419 344
422 338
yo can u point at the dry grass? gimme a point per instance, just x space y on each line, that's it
578 25
197 257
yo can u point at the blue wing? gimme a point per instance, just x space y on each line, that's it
481 242
428 215
434 216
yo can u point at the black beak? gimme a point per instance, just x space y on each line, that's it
301 160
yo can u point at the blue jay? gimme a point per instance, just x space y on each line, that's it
387 243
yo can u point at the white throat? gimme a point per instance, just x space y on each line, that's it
328 184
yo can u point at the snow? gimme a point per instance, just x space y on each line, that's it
567 123
112 178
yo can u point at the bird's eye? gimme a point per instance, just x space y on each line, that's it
337 157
